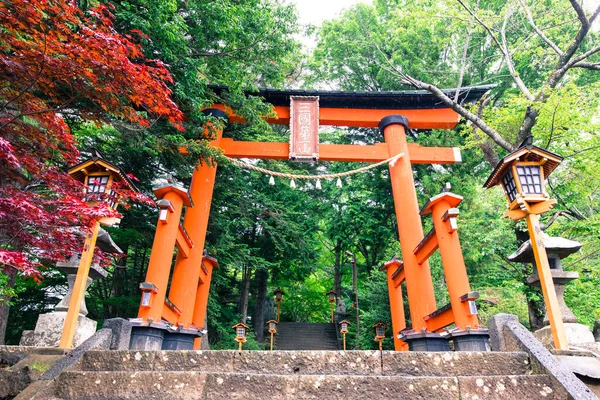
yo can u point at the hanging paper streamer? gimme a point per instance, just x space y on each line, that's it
293 184
271 180
339 183
318 184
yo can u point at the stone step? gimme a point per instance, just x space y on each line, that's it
200 385
351 362
306 336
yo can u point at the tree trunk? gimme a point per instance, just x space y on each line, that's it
245 292
337 269
262 276
4 302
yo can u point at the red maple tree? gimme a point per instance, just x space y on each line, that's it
56 63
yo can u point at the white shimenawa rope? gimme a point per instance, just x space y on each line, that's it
391 161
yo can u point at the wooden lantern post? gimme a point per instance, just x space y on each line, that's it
379 328
98 176
331 296
272 324
240 334
522 174
278 297
343 330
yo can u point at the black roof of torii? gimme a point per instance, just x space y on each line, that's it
400 99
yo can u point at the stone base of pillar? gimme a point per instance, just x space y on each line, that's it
577 334
160 336
423 341
473 340
181 340
49 327
146 338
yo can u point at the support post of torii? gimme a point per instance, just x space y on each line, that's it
419 287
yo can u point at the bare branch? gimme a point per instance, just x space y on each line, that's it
488 130
587 65
463 62
483 24
503 48
583 56
537 30
509 62
563 64
580 13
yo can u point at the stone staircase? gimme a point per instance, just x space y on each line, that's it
305 336
265 375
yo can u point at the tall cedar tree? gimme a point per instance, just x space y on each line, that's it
58 63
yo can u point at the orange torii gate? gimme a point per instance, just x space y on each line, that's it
176 321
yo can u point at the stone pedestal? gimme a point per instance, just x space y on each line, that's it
577 335
49 327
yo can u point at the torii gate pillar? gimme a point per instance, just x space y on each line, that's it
419 286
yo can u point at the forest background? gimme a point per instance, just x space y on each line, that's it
542 56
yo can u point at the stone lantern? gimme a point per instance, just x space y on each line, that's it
557 249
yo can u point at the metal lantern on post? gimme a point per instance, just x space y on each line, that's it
522 174
240 333
272 324
278 297
379 328
343 330
99 178
331 296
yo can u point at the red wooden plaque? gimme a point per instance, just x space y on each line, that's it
304 128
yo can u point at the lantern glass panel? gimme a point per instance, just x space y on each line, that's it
509 186
344 327
530 178
380 331
331 297
272 326
97 184
240 332
112 199
278 295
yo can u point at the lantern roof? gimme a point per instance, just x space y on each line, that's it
240 325
331 291
554 245
279 290
379 323
526 152
344 322
97 163
272 321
